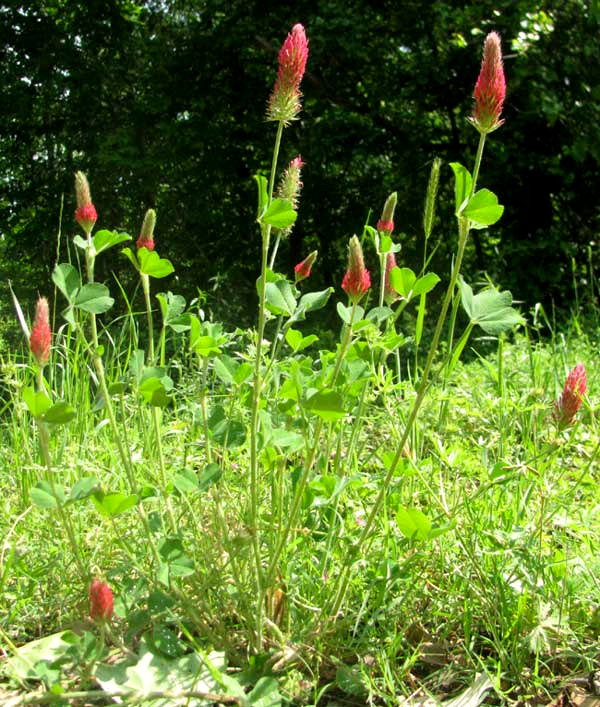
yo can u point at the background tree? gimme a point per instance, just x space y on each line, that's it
163 106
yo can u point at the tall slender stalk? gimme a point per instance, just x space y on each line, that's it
256 396
463 232
100 372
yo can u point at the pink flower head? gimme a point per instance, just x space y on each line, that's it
302 270
566 407
357 280
41 334
490 88
146 239
101 601
284 103
386 222
390 294
85 213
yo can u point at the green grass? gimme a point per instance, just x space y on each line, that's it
500 574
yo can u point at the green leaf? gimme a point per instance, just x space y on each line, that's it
297 341
110 505
345 313
294 338
152 264
327 404
153 391
379 314
117 388
44 495
37 401
263 197
403 281
279 214
206 346
280 298
94 298
225 367
185 482
172 552
59 414
466 296
425 284
80 242
228 432
483 208
132 258
209 476
165 642
312 301
83 488
287 439
265 693
150 672
243 372
413 523
171 306
104 239
491 310
67 279
463 183
33 657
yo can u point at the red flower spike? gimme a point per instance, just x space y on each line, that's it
101 601
41 334
357 280
390 295
490 89
85 213
284 103
302 270
566 407
146 239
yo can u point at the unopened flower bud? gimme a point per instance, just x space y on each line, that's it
101 601
566 407
85 213
357 280
41 334
302 270
390 294
490 89
290 186
146 239
284 103
386 222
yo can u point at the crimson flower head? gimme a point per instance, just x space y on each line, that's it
566 407
386 222
41 334
101 601
146 239
284 103
302 270
390 294
85 213
490 88
357 280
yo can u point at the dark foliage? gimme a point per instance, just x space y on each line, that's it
163 105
